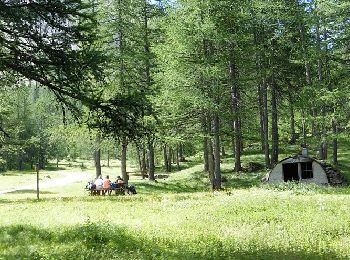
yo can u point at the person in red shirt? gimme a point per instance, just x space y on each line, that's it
107 185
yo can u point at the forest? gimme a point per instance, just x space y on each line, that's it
161 87
159 79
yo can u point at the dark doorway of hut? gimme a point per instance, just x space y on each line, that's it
290 172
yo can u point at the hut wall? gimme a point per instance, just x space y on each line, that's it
319 174
276 174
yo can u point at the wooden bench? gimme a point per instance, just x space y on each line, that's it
118 191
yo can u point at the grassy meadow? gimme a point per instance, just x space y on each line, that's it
177 218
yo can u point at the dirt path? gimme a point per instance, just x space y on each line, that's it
69 177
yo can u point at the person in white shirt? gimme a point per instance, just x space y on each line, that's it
99 183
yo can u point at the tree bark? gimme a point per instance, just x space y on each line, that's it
223 152
123 160
266 125
205 144
20 161
235 98
143 162
169 164
305 50
181 152
167 153
151 166
335 141
97 155
211 162
178 157
261 114
303 127
292 139
165 157
147 45
138 154
319 59
108 157
260 76
274 122
216 152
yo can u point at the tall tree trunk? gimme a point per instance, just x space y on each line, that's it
261 114
151 166
42 159
211 162
258 32
97 155
305 50
120 45
274 122
123 160
238 146
169 157
205 144
303 127
143 162
323 147
173 155
108 157
138 154
319 58
147 44
335 141
235 99
306 64
20 161
64 117
178 156
266 125
323 132
181 152
216 152
165 157
167 153
314 127
223 152
291 113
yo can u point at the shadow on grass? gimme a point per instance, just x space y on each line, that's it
30 192
52 168
242 180
198 182
171 187
17 173
182 166
92 241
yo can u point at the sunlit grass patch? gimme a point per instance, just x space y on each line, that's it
245 224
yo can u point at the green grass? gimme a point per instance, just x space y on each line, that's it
179 218
245 224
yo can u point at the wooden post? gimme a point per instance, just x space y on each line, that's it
37 181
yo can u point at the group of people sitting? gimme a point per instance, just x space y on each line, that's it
106 185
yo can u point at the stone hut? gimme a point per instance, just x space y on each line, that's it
306 170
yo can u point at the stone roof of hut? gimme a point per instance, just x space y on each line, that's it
334 175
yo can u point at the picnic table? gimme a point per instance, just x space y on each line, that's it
117 191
